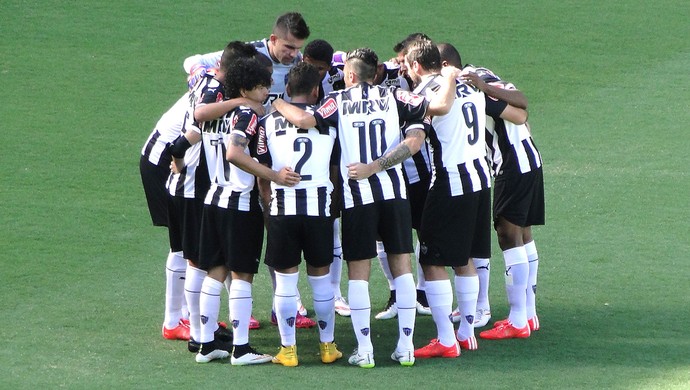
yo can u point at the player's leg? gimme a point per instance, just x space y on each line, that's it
391 309
467 290
483 314
336 272
533 261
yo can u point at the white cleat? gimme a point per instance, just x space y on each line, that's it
482 318
341 307
364 359
405 358
388 313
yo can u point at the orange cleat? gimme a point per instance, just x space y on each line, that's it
506 330
304 322
253 323
436 349
532 322
469 343
180 332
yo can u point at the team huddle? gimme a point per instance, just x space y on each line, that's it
340 156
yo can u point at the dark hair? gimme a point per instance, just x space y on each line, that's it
319 50
450 54
364 62
247 74
425 53
302 79
233 51
293 23
263 60
400 46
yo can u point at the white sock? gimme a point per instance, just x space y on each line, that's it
466 289
406 299
517 273
439 293
175 269
192 289
383 260
209 305
285 299
228 284
241 305
533 261
336 269
484 274
324 307
360 306
421 281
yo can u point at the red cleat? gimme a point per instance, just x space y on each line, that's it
436 349
532 322
469 343
304 322
180 332
253 323
506 331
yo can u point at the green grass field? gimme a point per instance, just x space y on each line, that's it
82 269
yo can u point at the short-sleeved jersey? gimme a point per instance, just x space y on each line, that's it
369 120
458 141
308 152
511 147
334 80
167 129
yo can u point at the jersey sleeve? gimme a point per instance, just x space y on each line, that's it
247 123
326 114
262 154
411 106
208 60
213 92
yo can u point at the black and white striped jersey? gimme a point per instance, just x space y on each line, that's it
231 187
510 147
167 129
369 120
308 151
458 143
334 80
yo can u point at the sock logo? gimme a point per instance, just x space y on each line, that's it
534 289
469 319
423 248
235 324
322 325
204 320
290 321
486 267
508 271
365 331
407 331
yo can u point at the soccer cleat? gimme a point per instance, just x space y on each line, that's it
423 310
469 343
532 322
405 358
193 346
422 303
287 356
303 322
223 334
210 351
391 310
185 321
180 332
341 307
300 307
245 355
274 318
505 330
436 349
482 317
455 316
329 352
364 359
254 323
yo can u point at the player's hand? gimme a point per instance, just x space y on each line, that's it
450 71
472 79
359 171
256 106
288 177
176 165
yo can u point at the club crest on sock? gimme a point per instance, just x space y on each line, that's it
290 321
365 331
407 331
204 320
322 325
235 324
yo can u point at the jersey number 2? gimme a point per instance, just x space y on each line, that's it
297 146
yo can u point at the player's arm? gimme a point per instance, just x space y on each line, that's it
236 155
179 147
514 114
414 139
294 114
443 100
513 97
265 197
209 60
210 111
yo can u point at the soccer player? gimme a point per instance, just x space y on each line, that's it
320 54
456 217
299 220
368 119
451 56
232 223
282 47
